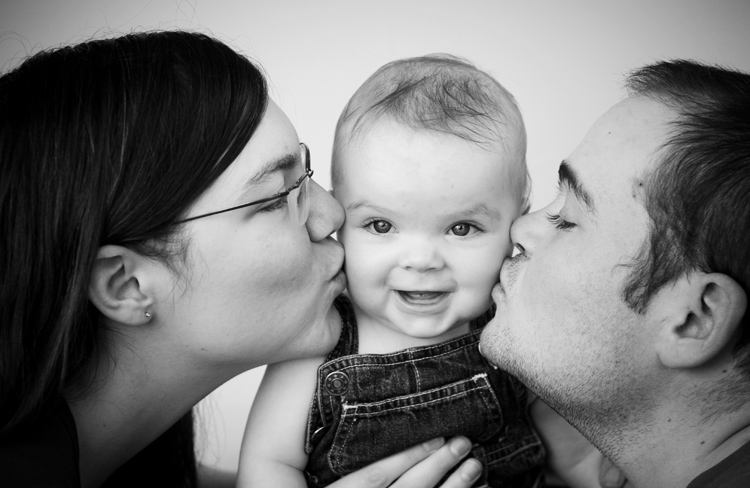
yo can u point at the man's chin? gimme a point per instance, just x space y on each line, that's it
490 346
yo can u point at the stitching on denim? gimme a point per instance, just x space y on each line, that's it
416 372
357 360
496 400
350 414
538 483
334 464
458 394
410 362
404 397
513 454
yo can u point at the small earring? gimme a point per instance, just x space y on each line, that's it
148 315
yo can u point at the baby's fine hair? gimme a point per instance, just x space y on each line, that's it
437 92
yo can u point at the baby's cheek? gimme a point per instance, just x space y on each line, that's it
356 260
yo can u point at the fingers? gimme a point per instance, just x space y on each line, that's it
382 473
465 475
430 471
610 475
421 466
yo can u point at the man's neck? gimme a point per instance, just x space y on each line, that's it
677 446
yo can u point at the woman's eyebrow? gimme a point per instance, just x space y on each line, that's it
285 163
569 178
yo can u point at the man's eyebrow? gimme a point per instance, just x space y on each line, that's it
568 177
284 163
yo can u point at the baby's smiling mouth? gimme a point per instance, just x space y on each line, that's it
421 297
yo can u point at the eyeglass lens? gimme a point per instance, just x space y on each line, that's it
298 201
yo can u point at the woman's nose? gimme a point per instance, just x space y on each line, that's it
420 254
326 215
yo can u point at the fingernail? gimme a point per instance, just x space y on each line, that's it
471 469
460 447
434 444
613 477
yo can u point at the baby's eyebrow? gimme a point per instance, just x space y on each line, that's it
569 178
479 209
363 204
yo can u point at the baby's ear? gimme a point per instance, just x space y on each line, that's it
699 319
115 286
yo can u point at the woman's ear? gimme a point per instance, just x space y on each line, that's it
699 319
115 289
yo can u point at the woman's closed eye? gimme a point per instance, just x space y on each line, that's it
273 205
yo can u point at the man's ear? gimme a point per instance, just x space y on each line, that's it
115 289
699 319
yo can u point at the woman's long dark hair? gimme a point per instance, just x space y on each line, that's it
105 142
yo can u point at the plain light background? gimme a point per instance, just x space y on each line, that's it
563 60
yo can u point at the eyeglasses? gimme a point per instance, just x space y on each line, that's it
296 195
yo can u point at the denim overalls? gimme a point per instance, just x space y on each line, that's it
368 406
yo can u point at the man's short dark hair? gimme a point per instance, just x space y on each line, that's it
698 196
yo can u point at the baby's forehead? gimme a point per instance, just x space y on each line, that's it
507 135
508 140
382 143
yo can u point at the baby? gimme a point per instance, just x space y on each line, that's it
429 165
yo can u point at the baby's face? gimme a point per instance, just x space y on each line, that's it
427 227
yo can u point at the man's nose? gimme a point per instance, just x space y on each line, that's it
526 230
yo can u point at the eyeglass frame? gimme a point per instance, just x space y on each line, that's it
288 191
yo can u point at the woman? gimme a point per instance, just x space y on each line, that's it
161 234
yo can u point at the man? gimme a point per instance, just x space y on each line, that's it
625 308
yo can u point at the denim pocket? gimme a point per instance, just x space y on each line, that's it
515 458
368 432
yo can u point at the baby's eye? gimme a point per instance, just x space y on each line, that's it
379 226
463 229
